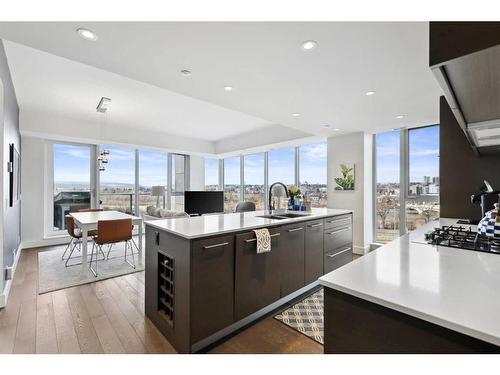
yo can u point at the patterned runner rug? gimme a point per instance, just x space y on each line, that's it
306 316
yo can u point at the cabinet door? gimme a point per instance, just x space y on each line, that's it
292 258
313 268
212 285
257 276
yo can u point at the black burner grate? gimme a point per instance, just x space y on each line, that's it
461 237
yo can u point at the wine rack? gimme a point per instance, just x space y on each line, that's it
166 289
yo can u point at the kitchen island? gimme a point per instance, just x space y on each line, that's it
412 297
205 279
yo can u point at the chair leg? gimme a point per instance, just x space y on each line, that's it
67 247
102 252
127 243
91 259
133 241
109 250
75 245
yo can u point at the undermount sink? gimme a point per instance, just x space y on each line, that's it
283 216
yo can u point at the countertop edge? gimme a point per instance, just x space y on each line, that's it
273 224
415 313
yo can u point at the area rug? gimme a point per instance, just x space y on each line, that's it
306 317
53 275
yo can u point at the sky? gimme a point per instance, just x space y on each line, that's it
281 167
423 154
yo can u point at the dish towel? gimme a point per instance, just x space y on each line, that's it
263 240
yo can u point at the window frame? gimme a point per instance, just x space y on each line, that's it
49 232
404 178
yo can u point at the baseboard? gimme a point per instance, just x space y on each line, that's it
4 297
361 250
49 241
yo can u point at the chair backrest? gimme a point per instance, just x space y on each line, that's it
244 207
69 222
110 231
90 210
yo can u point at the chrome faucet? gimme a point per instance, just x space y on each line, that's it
271 202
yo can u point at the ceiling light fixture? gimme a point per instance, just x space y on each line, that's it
87 34
336 129
103 105
326 126
296 114
370 93
228 88
186 72
309 45
399 117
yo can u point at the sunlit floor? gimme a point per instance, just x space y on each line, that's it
108 317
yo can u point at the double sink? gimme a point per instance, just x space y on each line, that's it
283 216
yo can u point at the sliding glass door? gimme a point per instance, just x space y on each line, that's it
72 182
153 171
117 181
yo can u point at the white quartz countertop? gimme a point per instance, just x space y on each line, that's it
209 225
454 288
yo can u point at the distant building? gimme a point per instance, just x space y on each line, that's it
433 189
427 180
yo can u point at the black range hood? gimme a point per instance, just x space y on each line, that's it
465 59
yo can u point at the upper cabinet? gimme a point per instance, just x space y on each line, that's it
465 59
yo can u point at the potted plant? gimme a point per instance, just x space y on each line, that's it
293 192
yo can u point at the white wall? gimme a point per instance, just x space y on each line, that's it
33 188
354 148
197 172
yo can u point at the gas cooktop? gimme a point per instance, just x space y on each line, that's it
461 237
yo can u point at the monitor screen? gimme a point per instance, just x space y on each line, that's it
203 202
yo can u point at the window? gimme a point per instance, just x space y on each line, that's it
387 195
282 166
422 203
117 181
72 181
211 174
254 179
313 173
232 184
179 183
153 167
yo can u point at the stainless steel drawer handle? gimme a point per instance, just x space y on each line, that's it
294 229
255 239
340 252
339 230
339 221
216 245
315 225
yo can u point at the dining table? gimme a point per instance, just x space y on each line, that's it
87 221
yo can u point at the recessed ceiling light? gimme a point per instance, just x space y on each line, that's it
309 45
87 34
336 129
186 72
399 117
228 88
296 114
369 93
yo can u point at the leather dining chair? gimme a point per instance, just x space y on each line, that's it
111 232
76 237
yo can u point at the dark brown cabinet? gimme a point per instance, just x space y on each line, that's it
257 276
212 285
337 258
313 262
292 258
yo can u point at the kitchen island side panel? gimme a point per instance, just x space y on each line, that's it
356 326
178 249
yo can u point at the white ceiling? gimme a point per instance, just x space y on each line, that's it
271 75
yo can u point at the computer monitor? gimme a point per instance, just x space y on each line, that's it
203 202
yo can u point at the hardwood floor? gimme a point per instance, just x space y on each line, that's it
108 317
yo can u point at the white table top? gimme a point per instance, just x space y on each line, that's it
208 225
86 218
457 289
